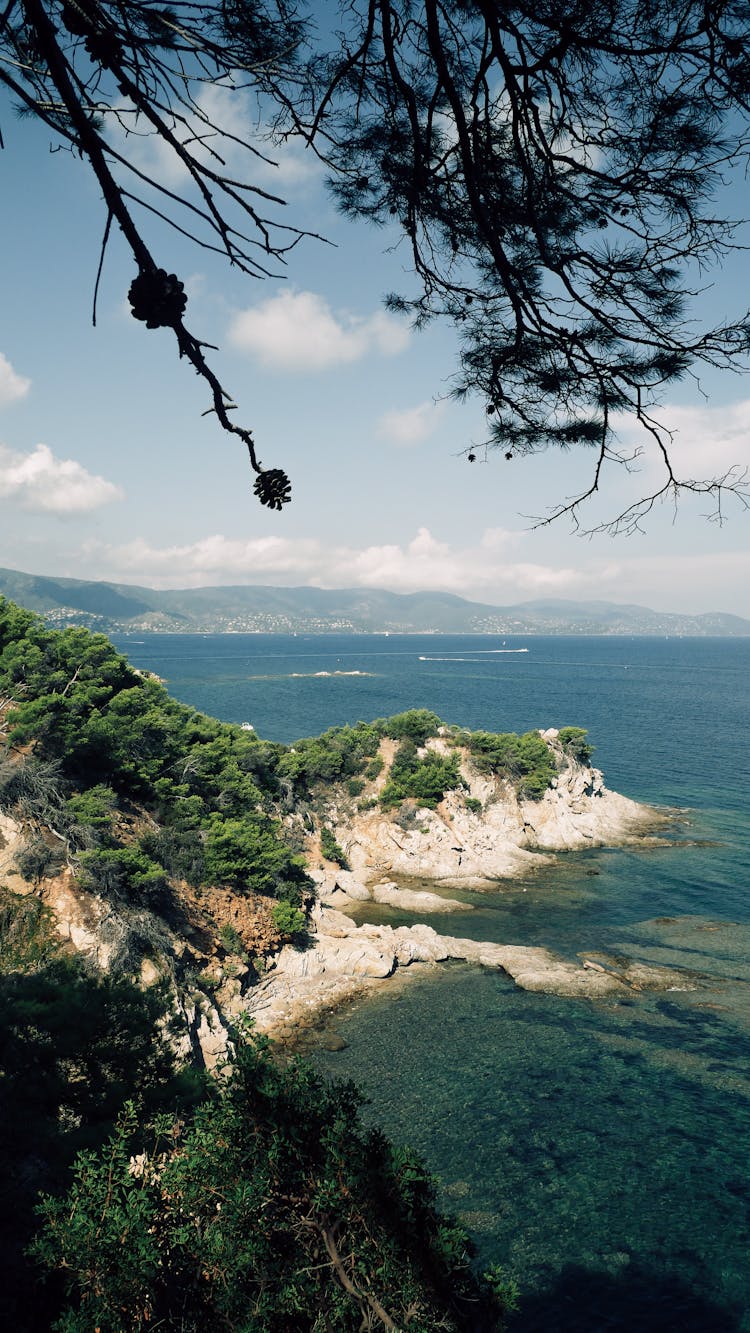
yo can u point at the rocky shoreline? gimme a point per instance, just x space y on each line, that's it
477 837
343 961
494 837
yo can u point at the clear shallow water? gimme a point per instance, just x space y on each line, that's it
599 1151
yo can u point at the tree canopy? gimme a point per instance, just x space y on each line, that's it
553 168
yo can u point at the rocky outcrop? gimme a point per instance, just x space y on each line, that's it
343 960
479 834
493 835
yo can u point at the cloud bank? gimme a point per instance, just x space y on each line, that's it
424 563
43 482
299 331
494 569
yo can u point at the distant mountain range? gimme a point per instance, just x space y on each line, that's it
122 608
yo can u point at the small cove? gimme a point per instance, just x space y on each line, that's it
598 1150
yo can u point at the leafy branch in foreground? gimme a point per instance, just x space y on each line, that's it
270 1208
86 68
553 168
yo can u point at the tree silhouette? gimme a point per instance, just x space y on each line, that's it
552 165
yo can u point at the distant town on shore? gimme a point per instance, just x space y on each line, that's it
118 608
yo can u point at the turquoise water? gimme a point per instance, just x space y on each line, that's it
597 1150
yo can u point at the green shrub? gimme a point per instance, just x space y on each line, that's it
473 805
94 807
287 919
330 848
125 874
231 940
248 856
425 780
416 725
374 768
355 787
243 1215
338 754
526 760
573 741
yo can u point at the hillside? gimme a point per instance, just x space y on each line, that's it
164 879
122 608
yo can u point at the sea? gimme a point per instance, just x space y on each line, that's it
596 1150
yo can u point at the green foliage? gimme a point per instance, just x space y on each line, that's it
125 875
334 756
526 760
425 780
231 940
374 768
330 848
473 805
247 856
179 850
72 1046
573 741
28 939
505 1289
355 787
94 807
289 920
416 725
245 1216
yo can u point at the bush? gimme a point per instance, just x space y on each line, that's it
473 805
125 874
243 1216
288 920
330 848
355 787
573 741
526 761
334 756
36 859
374 768
231 940
425 780
415 725
248 856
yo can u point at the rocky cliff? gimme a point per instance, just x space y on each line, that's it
212 945
483 830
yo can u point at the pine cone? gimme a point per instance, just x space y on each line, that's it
158 298
273 488
105 48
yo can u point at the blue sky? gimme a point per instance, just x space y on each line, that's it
108 470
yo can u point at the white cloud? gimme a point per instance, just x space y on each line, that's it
41 481
12 385
485 570
492 570
707 440
299 331
410 425
242 146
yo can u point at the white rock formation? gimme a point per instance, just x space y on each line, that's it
456 846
